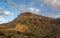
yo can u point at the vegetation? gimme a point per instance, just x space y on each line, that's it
29 25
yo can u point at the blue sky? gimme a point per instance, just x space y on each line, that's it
10 9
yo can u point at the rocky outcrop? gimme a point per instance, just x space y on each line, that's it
28 25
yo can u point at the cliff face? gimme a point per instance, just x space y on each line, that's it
28 25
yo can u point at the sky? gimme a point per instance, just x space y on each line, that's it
10 9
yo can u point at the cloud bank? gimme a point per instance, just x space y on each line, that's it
5 13
29 9
55 4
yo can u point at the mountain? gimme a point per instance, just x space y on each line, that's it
29 25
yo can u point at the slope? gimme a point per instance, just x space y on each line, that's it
28 25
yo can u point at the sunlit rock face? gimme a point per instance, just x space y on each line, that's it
28 25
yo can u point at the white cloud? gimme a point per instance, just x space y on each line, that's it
23 7
34 10
29 9
4 12
53 15
55 4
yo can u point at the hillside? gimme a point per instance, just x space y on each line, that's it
28 25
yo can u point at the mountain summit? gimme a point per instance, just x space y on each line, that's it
29 25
